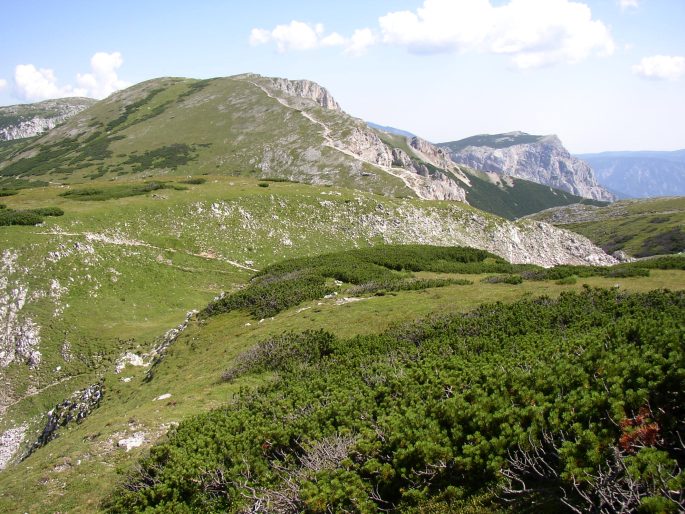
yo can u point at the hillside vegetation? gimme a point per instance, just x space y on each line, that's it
220 126
229 295
126 260
514 198
641 228
257 127
219 353
488 406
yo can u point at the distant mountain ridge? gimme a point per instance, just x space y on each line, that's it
541 159
391 130
28 120
640 174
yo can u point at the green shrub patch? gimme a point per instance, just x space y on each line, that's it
573 403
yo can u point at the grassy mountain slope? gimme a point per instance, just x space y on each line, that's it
128 259
641 228
79 468
514 198
248 126
441 412
178 126
92 297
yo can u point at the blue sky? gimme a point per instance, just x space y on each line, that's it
602 74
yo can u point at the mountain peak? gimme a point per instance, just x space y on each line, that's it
541 159
301 88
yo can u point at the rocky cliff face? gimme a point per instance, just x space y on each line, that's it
19 121
543 160
307 89
435 155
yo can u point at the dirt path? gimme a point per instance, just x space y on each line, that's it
101 238
412 181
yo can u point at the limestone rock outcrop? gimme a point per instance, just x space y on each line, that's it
20 121
541 159
307 89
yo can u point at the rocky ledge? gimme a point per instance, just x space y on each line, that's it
307 89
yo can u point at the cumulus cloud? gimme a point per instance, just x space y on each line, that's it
333 39
629 4
103 79
298 35
661 67
33 84
3 84
359 42
533 33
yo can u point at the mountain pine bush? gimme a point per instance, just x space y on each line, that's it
573 403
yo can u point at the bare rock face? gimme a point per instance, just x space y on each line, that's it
368 146
19 335
19 121
520 242
400 158
435 155
10 442
540 243
544 160
440 187
77 408
307 89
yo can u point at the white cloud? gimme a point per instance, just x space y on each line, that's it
35 84
361 40
259 37
298 35
103 80
661 67
532 32
3 84
628 4
333 39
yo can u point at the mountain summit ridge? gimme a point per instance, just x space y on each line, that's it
262 127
